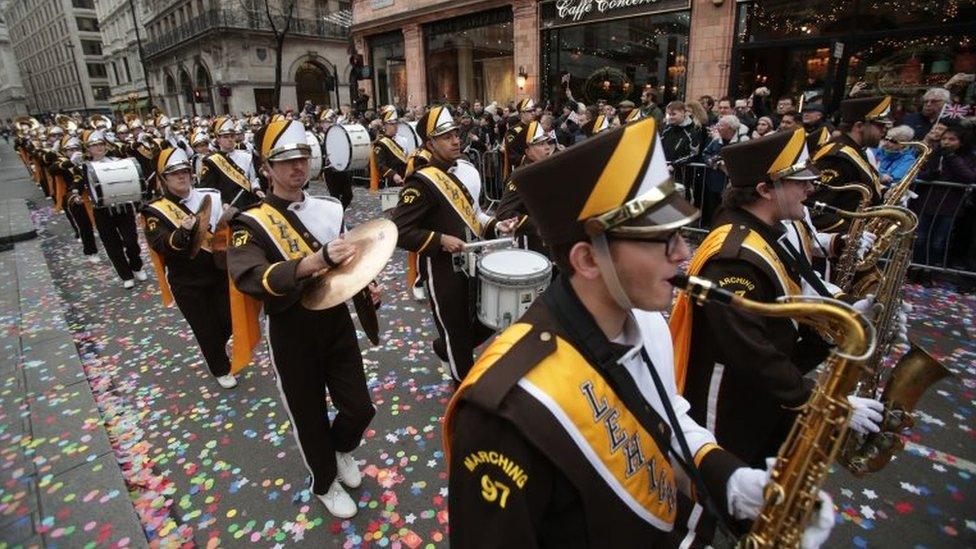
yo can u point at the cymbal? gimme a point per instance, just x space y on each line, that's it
203 226
374 241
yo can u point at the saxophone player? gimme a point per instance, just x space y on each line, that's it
744 374
569 431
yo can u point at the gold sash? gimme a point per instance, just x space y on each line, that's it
285 237
455 196
622 453
680 319
175 215
393 147
230 170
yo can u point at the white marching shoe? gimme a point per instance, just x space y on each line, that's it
338 502
128 284
93 258
347 470
227 381
419 293
141 275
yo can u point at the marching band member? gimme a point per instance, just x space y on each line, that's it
532 145
526 112
277 246
69 168
197 284
742 373
387 160
230 170
842 161
435 214
570 431
116 224
171 138
200 142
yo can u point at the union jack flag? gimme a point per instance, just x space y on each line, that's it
956 111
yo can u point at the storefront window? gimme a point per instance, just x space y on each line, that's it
471 58
781 19
615 60
389 69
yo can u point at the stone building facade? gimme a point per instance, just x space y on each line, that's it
13 101
213 56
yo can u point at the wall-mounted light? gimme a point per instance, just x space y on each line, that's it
521 78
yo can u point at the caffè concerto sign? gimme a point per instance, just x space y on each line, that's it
557 13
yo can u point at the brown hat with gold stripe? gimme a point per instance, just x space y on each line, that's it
866 109
533 134
782 155
436 121
616 183
282 140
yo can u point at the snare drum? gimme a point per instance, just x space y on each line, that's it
508 283
315 163
389 198
347 147
406 136
115 182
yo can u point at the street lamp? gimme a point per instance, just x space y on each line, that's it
81 88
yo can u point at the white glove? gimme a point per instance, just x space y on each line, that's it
866 414
865 306
744 492
905 198
901 322
820 525
867 240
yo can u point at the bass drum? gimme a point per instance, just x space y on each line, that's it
115 182
316 163
347 147
407 137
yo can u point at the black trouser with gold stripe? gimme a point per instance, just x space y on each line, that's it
453 303
207 310
77 214
312 351
117 231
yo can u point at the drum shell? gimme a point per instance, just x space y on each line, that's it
347 147
316 162
115 182
504 298
407 136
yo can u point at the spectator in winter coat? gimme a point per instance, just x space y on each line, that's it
894 158
954 162
680 138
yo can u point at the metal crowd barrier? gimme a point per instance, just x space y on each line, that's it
934 197
491 166
694 176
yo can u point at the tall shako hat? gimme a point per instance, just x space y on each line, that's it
436 121
171 160
616 183
781 155
282 140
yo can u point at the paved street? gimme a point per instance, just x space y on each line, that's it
220 468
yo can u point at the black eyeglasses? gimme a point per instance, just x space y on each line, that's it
672 240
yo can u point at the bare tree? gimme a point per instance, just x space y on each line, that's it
279 14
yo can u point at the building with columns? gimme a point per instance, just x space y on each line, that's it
217 57
425 51
120 47
13 101
58 48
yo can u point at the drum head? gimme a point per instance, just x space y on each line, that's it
514 263
338 147
407 137
315 163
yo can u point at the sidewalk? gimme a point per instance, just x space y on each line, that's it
60 483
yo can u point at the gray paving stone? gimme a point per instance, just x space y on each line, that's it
21 511
105 501
52 364
67 430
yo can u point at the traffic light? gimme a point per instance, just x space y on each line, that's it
198 96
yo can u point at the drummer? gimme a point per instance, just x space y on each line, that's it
388 159
436 215
530 146
229 169
310 350
116 224
526 112
339 183
195 282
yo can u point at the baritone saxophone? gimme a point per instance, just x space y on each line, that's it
821 426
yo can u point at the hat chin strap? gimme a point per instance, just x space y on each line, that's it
608 272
